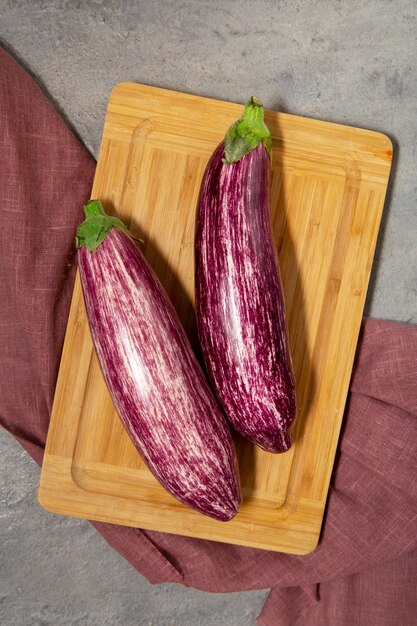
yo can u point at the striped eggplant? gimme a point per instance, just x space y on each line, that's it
239 298
154 379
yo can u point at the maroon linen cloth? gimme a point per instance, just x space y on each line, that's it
364 571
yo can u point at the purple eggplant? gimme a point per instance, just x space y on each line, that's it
154 379
238 292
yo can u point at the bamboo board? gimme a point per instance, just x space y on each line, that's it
328 188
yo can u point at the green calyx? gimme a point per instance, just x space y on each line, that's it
247 133
96 226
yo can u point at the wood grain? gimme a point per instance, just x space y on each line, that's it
327 193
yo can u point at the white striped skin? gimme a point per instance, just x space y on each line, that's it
240 302
155 381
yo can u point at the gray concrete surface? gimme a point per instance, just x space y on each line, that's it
346 62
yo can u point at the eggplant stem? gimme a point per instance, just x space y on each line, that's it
247 133
96 226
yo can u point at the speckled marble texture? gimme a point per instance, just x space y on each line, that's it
345 62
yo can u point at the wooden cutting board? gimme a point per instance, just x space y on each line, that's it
328 187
